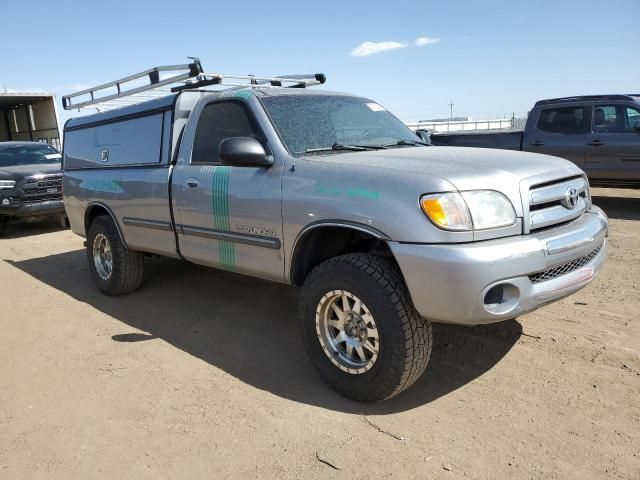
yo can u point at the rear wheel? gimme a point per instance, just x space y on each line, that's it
360 329
115 269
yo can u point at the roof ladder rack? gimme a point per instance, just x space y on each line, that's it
111 95
152 76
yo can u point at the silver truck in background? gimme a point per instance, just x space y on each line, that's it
332 193
599 133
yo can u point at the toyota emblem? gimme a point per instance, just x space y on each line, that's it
571 198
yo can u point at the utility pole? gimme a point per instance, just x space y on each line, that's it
451 109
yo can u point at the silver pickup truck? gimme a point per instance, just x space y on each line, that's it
331 193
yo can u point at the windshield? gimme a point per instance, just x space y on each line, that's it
313 123
12 155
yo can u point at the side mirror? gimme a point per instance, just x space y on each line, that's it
636 125
424 134
243 152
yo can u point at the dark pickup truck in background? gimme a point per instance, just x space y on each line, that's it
30 182
600 134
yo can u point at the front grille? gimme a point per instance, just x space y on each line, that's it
563 269
551 204
41 199
43 185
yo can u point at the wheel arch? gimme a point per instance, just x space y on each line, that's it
322 240
98 209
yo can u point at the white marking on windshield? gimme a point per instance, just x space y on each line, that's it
375 107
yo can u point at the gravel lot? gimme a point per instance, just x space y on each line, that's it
201 374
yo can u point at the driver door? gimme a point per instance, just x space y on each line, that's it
228 217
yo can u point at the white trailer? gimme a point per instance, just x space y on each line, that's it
29 116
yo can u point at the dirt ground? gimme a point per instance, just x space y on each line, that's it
201 374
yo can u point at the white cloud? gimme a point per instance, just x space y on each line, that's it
370 48
422 41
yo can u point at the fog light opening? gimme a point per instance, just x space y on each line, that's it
494 296
501 298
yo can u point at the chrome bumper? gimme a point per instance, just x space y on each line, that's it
489 281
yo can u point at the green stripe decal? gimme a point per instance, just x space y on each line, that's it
220 208
244 94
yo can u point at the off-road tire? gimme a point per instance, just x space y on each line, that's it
405 337
128 266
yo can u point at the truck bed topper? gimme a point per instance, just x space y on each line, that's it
150 84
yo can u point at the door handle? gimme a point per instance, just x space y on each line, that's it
536 143
597 143
193 182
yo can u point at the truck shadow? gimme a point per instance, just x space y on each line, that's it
27 229
248 328
622 208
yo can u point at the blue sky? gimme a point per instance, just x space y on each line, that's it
491 57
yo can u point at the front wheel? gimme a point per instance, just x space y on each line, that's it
360 328
115 269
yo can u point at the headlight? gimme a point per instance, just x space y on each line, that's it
7 184
489 209
472 210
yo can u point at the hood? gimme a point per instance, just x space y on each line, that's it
18 172
467 168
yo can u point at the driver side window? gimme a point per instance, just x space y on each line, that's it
218 121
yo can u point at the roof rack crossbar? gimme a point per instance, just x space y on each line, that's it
253 81
313 78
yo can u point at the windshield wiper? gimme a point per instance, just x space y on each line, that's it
412 143
340 146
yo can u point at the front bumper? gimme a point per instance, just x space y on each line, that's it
454 283
33 209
